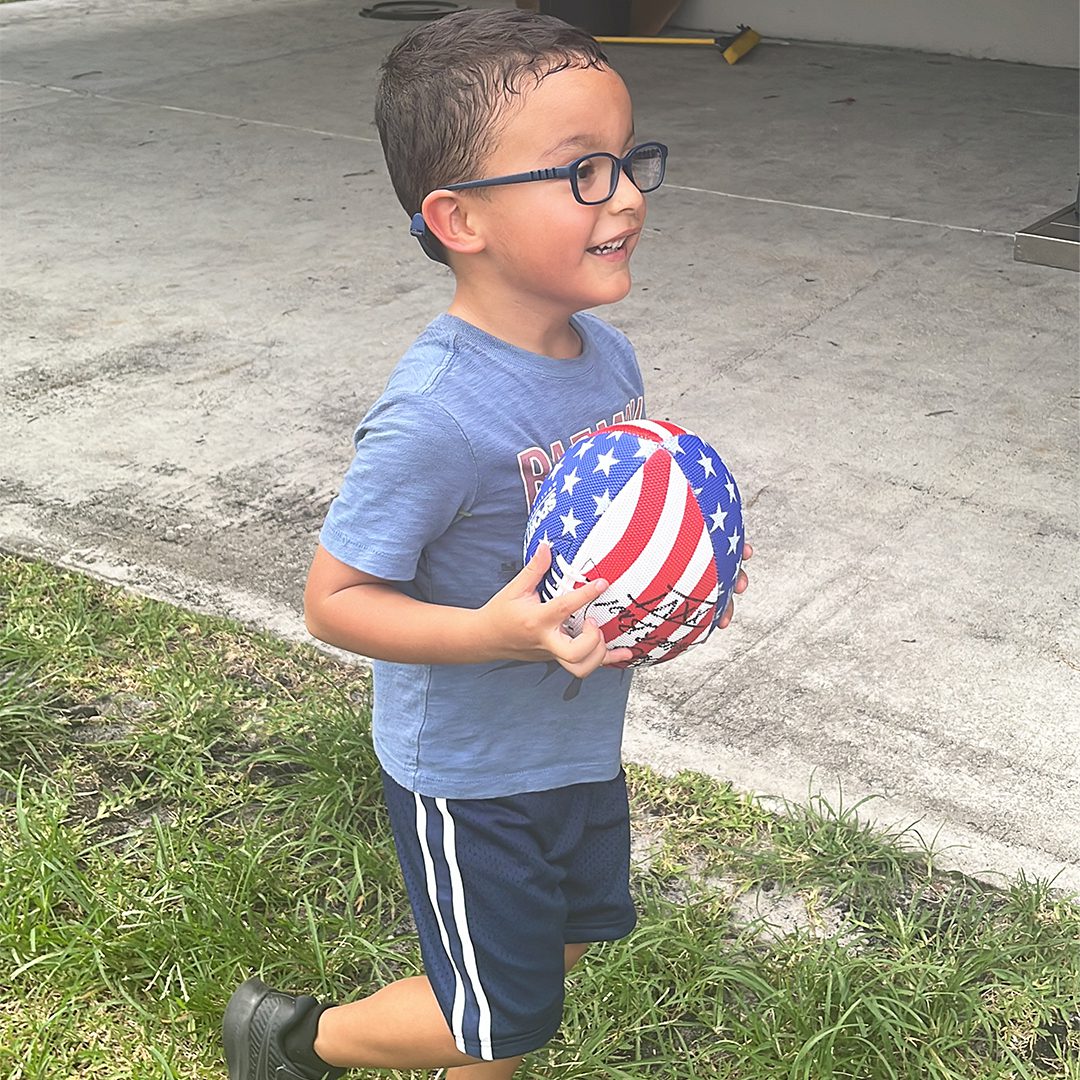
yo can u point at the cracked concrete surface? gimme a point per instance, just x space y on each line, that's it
206 280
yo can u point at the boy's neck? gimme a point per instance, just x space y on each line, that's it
522 325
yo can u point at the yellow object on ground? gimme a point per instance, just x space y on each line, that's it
733 49
742 44
657 40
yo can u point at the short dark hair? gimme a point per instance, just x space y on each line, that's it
443 85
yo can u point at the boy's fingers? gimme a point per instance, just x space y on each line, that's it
574 650
583 665
726 617
576 599
532 573
541 559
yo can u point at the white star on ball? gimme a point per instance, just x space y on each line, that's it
570 524
718 518
706 463
569 480
602 502
605 461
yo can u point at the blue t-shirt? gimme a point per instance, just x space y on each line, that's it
447 464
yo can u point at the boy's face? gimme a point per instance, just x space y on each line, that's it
537 236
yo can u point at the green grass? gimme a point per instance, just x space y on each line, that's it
184 802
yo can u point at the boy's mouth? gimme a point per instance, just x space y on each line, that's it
610 247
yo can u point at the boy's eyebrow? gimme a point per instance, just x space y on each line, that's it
579 142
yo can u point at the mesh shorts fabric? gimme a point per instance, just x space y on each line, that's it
498 887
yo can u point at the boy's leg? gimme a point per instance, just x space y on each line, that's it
270 1035
402 1026
486 1070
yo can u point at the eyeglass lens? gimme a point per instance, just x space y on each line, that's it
597 176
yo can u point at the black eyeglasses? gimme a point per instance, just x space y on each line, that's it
593 177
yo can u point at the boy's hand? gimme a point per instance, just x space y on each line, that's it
740 587
520 626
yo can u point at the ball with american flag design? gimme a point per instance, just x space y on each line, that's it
651 508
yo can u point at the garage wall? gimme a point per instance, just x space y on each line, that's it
1030 31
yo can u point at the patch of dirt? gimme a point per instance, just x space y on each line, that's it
646 842
107 718
781 914
46 380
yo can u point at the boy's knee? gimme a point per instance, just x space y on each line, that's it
573 953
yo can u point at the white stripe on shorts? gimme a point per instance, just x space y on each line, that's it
461 924
433 895
483 1032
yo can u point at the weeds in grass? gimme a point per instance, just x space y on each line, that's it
183 803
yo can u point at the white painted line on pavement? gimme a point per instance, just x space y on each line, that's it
836 210
179 109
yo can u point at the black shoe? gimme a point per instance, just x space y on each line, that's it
256 1021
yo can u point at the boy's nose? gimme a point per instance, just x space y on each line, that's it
627 195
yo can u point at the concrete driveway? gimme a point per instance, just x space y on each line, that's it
206 279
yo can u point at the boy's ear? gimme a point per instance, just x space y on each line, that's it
448 217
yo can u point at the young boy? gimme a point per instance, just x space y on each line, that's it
511 142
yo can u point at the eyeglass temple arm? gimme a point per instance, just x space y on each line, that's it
418 227
560 173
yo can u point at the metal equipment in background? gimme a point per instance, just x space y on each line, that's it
1053 241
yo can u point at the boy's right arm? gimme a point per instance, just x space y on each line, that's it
368 615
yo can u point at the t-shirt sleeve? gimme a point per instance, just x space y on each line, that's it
412 475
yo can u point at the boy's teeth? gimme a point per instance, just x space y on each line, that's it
603 249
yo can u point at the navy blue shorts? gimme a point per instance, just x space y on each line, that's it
498 887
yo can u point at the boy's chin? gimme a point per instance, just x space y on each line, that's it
614 291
